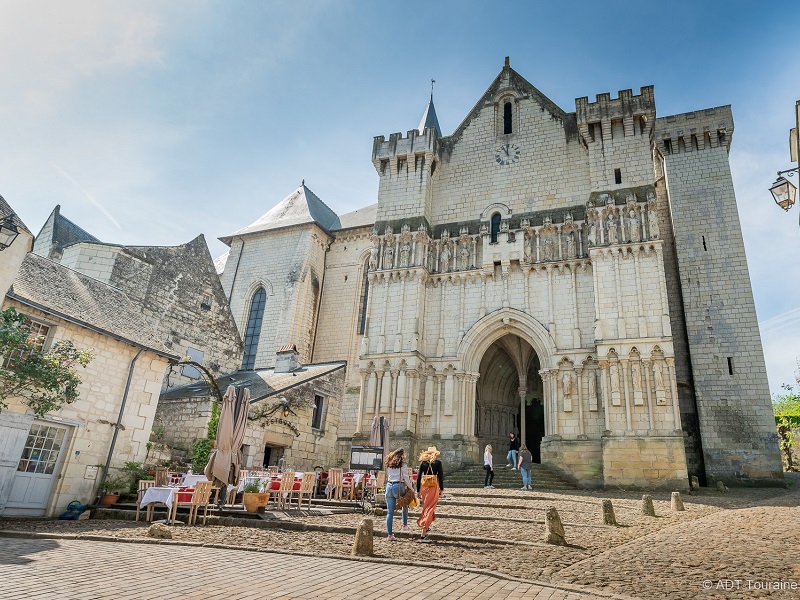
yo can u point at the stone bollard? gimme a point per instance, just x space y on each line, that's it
608 513
721 487
555 530
676 502
647 506
159 530
362 544
695 483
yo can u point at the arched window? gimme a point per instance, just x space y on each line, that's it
495 227
253 330
362 320
507 128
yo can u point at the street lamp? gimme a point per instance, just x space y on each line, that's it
783 190
8 232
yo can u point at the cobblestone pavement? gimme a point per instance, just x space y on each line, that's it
85 569
721 540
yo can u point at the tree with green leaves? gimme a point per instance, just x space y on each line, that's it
787 419
41 379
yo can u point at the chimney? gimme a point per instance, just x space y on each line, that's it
286 361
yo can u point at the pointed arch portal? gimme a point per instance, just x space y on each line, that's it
508 348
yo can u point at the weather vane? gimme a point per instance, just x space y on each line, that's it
432 82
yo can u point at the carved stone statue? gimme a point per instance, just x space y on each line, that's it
405 253
633 226
445 256
388 255
612 229
571 244
658 374
636 380
566 384
464 256
548 248
593 405
373 257
592 236
652 222
613 371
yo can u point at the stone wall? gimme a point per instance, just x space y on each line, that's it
92 416
657 462
729 374
11 259
286 263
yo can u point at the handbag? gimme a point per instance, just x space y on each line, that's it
430 479
407 498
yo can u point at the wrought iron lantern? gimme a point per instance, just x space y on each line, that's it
784 192
8 232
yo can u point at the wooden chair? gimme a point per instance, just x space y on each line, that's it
142 488
272 470
378 482
201 496
285 491
161 476
174 478
335 477
306 489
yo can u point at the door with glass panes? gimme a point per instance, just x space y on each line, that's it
38 468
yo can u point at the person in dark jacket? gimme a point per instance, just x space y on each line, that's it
513 448
429 465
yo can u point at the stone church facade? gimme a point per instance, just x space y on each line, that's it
576 277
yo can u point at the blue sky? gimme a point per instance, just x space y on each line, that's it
152 122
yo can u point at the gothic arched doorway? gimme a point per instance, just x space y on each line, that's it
509 396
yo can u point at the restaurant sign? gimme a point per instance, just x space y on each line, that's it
284 422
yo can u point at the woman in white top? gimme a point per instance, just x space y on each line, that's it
397 478
489 466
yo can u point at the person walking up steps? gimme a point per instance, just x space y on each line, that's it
513 447
525 465
487 464
430 484
396 478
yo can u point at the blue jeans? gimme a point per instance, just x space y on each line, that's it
526 476
511 457
393 492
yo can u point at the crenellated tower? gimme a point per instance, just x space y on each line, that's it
406 166
618 134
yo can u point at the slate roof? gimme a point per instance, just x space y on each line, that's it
57 290
6 210
298 208
363 217
263 383
429 119
66 233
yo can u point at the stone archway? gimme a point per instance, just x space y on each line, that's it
509 396
510 340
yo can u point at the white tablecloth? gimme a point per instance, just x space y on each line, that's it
165 495
190 480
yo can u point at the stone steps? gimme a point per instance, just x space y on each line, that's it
506 478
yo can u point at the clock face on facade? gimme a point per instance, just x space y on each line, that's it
507 154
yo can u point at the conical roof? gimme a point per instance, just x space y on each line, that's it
429 119
298 208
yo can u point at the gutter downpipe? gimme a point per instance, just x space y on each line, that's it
119 422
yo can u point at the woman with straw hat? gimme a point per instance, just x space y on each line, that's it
430 484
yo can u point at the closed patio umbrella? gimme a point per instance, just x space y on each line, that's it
242 408
375 437
218 468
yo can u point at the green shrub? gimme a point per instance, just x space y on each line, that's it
200 453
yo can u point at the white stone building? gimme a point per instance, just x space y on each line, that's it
48 461
578 277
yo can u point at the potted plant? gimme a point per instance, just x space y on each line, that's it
113 487
253 498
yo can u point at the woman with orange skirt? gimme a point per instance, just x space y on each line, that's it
430 484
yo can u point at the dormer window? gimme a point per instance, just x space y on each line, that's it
507 118
495 227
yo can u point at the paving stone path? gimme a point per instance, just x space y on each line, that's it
86 569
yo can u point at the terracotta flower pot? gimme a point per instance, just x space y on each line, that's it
109 499
252 501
